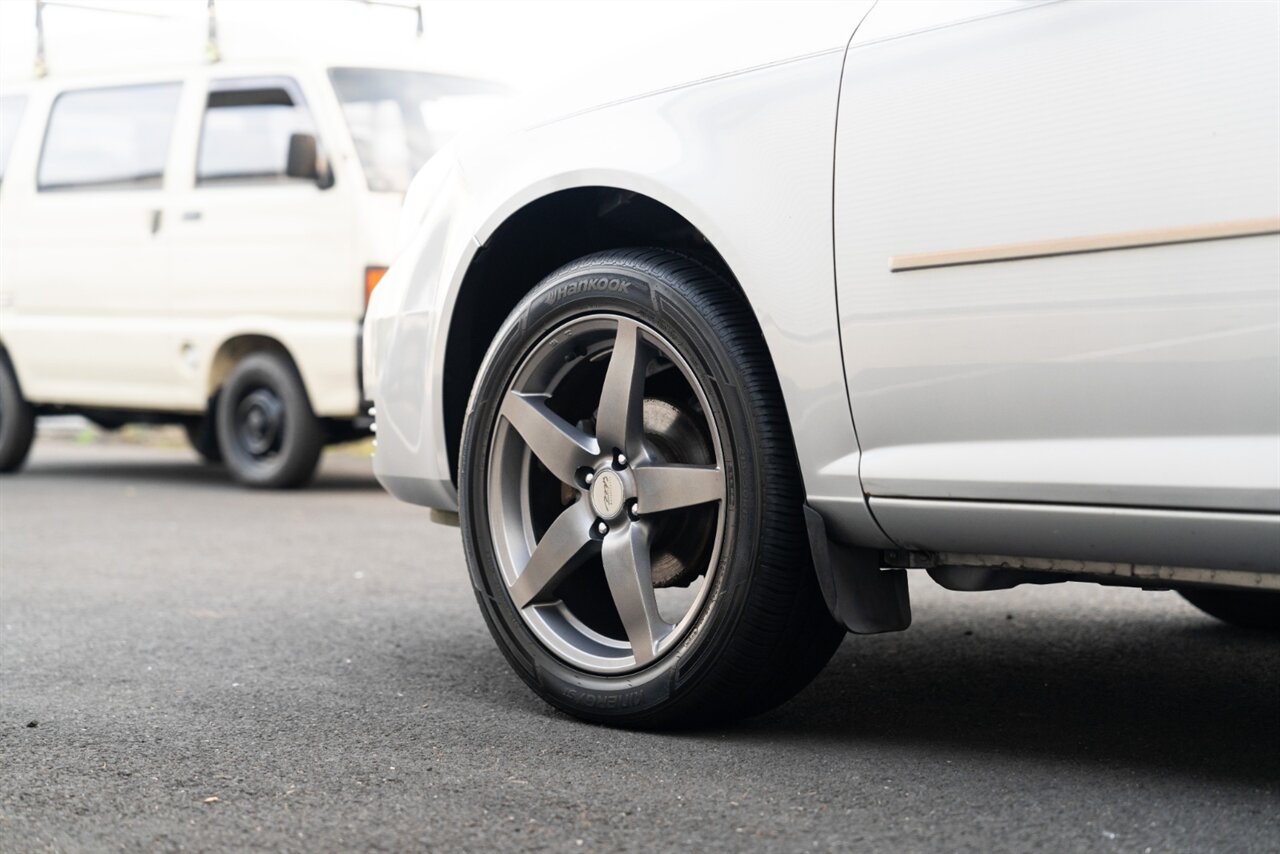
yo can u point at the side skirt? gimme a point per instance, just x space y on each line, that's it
1097 540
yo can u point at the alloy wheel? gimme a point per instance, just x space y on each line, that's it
606 493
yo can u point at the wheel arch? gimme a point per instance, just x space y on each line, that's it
6 358
233 349
532 242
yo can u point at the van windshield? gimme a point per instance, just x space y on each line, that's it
11 107
398 119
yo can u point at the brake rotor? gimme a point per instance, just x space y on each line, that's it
682 542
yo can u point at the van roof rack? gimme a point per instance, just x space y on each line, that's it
406 5
212 50
212 54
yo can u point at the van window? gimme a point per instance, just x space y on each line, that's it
398 119
11 107
246 131
109 138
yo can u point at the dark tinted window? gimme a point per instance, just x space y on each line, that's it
11 107
109 138
246 131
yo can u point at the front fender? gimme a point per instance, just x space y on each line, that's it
747 159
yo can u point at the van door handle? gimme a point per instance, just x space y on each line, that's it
155 221
191 216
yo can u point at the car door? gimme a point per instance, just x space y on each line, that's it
1058 256
84 269
254 248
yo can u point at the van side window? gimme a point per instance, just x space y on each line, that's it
11 107
113 138
246 131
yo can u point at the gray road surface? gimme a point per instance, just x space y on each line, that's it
316 663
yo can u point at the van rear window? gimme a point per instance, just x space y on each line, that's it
111 138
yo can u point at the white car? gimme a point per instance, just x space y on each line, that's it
195 245
986 289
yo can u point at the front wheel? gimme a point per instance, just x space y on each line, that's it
630 503
267 433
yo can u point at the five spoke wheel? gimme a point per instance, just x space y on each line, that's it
615 486
629 499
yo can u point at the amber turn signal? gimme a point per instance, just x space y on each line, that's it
372 275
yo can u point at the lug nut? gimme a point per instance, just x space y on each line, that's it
622 461
602 528
589 476
633 510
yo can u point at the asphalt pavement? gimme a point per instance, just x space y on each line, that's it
186 665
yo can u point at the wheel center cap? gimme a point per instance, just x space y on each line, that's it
607 496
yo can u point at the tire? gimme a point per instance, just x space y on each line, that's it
202 433
17 420
1247 609
267 433
592 635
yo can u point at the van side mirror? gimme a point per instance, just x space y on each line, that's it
305 162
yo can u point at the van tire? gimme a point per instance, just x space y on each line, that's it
267 433
202 433
17 420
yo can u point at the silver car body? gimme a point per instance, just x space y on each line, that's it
1017 266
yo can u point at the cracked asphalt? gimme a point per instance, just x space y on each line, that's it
185 665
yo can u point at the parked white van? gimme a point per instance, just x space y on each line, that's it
196 245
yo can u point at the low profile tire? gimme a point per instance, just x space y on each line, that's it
17 420
630 500
1248 609
203 436
267 433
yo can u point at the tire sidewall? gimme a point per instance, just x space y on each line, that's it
565 295
17 419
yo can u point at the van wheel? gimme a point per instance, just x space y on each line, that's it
1248 609
267 433
17 420
630 502
202 433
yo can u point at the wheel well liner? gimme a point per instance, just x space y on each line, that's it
530 244
234 349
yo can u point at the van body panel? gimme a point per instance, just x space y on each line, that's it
122 297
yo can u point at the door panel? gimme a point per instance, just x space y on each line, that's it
248 240
84 257
1033 367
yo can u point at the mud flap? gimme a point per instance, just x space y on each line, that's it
861 596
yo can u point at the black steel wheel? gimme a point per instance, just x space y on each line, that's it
630 503
267 433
